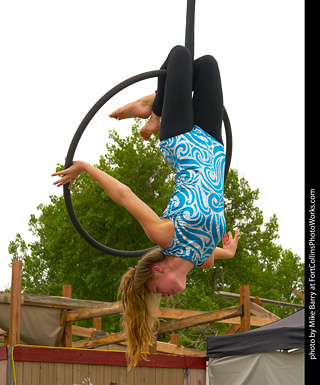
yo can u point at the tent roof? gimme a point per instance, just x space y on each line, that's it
286 333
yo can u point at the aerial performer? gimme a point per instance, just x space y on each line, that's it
187 111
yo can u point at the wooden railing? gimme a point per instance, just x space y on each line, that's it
248 313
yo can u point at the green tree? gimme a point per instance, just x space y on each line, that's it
60 255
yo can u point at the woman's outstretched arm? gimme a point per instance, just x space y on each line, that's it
158 231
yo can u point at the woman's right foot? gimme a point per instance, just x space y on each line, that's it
141 108
152 126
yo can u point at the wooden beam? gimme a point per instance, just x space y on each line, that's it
15 303
164 347
226 294
299 294
265 316
161 347
66 303
95 311
262 313
233 329
164 312
212 316
245 301
52 301
113 338
67 335
260 317
254 321
96 307
116 307
257 300
207 317
264 319
82 332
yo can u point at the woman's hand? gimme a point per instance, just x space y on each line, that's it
230 244
70 174
228 251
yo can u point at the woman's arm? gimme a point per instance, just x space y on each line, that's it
157 230
230 245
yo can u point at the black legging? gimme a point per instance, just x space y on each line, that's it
180 111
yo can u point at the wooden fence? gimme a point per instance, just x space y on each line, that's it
113 365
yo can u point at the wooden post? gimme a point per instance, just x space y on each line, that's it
15 303
153 347
245 302
67 335
97 323
174 338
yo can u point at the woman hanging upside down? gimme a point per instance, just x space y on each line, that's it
193 223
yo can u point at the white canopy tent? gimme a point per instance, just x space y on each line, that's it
270 355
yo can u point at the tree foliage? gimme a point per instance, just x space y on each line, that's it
60 255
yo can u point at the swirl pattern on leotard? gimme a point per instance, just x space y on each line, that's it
196 206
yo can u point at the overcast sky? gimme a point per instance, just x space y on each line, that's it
59 57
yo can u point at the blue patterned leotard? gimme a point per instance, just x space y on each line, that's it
196 206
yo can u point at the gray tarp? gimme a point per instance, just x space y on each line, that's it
286 333
39 325
271 368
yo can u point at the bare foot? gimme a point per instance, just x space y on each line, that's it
152 126
140 108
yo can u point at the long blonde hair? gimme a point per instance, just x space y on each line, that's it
139 305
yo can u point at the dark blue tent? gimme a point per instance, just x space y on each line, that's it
284 334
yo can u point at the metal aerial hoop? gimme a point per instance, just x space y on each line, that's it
189 43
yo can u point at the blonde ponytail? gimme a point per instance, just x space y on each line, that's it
139 319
